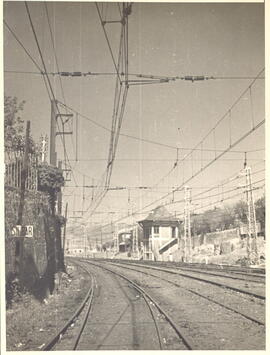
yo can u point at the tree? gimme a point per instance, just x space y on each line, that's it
13 123
50 180
260 212
228 218
14 126
240 210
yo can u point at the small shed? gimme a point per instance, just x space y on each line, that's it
160 229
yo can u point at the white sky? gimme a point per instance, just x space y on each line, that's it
178 39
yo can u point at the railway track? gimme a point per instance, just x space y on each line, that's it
226 274
212 281
86 303
239 270
152 303
125 297
82 317
247 316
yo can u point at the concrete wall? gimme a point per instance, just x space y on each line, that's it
222 236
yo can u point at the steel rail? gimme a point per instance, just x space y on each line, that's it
202 280
231 268
221 275
187 342
220 271
76 342
55 338
196 293
86 317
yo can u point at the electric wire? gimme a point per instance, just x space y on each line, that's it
148 140
191 178
220 184
29 55
155 78
108 42
119 101
31 58
57 64
49 83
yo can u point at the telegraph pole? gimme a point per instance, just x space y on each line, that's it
187 230
252 247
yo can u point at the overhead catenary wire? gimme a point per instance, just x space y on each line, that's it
221 200
224 182
56 62
192 177
148 140
207 165
216 156
210 131
231 145
154 78
119 102
48 79
108 42
46 82
161 160
213 203
186 159
216 186
196 198
29 55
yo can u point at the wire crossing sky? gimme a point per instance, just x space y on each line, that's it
195 80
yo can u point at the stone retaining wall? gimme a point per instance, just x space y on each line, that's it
42 254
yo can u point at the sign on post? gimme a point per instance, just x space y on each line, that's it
22 231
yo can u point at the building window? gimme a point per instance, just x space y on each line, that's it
173 232
156 229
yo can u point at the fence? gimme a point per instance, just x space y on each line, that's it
14 166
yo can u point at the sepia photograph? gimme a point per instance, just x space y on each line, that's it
133 176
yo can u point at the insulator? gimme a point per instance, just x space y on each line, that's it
201 77
76 73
